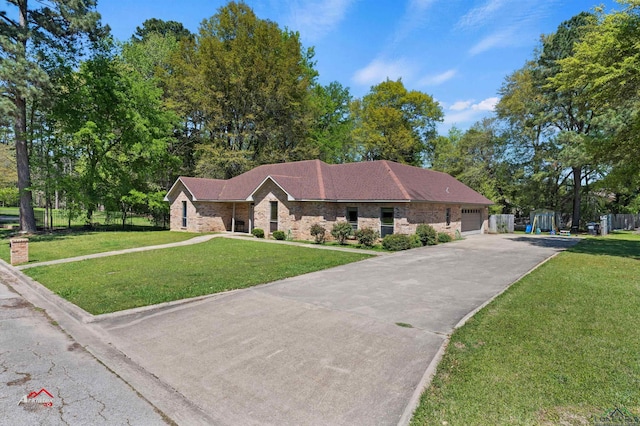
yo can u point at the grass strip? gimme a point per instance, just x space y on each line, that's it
561 346
61 245
139 279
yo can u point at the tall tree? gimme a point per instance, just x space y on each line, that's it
478 158
606 62
332 123
552 125
27 37
119 129
572 118
248 83
393 123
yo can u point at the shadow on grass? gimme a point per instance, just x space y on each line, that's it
609 247
556 242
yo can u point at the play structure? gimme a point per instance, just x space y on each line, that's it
545 221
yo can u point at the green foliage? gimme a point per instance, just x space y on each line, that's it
367 236
120 133
392 123
427 235
279 235
318 233
158 27
443 237
397 242
341 230
258 232
9 196
332 123
246 83
35 42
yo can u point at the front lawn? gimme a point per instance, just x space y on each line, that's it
61 245
146 278
559 347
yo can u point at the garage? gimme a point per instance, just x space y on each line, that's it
472 220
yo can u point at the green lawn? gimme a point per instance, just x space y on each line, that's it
44 247
139 279
559 347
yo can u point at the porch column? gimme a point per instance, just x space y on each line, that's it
233 218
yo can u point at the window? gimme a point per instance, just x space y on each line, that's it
352 217
448 216
386 221
273 223
184 214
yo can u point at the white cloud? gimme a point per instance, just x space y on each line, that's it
499 39
488 104
379 70
479 15
434 80
317 18
467 112
460 105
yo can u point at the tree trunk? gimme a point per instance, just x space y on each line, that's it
577 191
27 216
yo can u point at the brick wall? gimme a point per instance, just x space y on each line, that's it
296 218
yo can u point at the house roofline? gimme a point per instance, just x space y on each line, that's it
269 177
166 197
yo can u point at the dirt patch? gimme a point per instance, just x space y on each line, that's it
567 416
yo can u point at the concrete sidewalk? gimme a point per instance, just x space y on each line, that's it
348 346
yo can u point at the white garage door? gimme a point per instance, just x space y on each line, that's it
471 220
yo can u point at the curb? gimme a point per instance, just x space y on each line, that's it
76 323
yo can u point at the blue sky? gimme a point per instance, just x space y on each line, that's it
458 51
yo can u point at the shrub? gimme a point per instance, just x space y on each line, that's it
258 232
317 232
341 230
367 236
396 242
443 237
428 236
415 241
279 235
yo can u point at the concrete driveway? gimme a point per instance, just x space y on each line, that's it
345 346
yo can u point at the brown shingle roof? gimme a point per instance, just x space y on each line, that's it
316 180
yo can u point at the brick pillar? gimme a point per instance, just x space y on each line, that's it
19 250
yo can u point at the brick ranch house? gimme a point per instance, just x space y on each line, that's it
383 195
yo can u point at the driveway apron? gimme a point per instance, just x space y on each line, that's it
345 346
